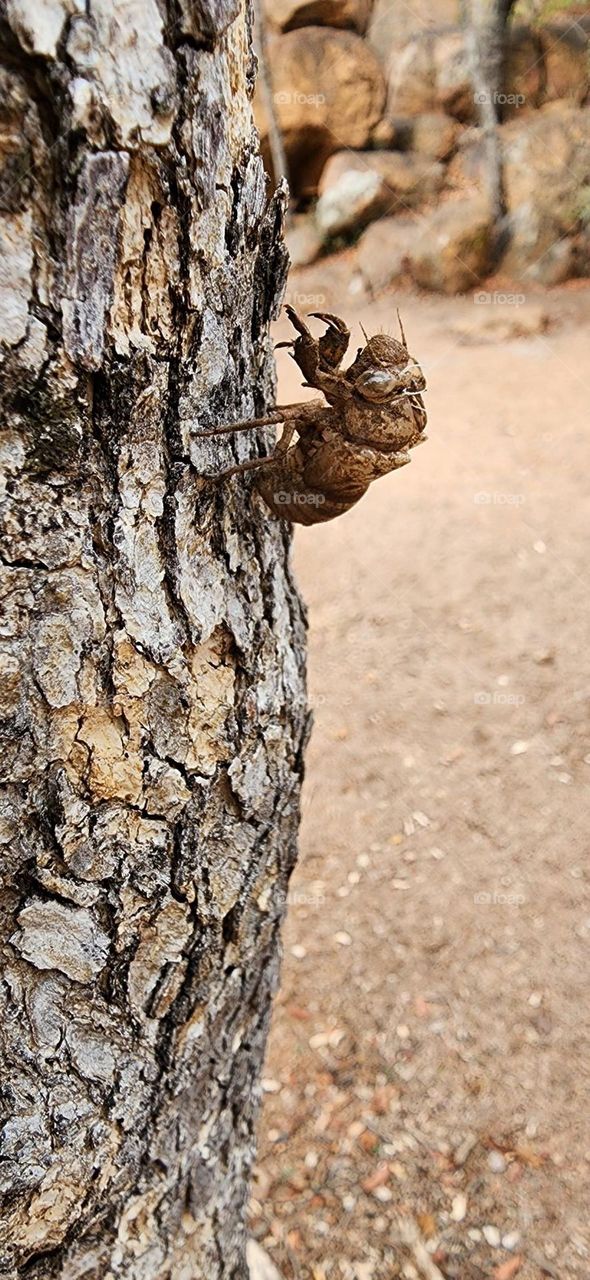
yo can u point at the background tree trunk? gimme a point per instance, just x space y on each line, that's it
485 23
152 669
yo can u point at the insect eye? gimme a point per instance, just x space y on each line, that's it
376 384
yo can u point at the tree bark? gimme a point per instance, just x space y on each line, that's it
485 24
152 676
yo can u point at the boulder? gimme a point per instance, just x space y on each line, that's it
523 72
466 168
427 69
392 25
430 73
329 93
386 135
350 203
446 249
500 316
434 135
411 78
384 251
288 15
355 189
303 240
454 90
453 249
566 62
546 158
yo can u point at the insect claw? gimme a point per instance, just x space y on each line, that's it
297 322
334 322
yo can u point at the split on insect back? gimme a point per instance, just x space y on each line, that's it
370 416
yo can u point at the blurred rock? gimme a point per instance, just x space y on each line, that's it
427 69
290 14
386 135
446 249
355 189
546 167
410 76
384 250
353 200
434 135
452 251
392 25
429 73
566 62
454 90
466 169
330 93
303 241
497 317
523 71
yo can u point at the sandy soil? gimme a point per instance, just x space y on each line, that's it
427 1075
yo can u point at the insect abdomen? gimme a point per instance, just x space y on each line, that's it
288 494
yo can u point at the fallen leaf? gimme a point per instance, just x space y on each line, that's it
507 1270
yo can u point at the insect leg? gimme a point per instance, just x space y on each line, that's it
279 450
277 415
333 344
252 465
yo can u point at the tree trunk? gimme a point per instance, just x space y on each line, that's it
485 29
152 670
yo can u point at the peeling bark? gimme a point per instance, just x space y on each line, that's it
151 669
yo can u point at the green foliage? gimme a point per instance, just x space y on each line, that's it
582 211
538 12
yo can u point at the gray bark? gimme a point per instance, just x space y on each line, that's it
151 672
485 28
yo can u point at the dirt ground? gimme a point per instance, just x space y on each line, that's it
426 1106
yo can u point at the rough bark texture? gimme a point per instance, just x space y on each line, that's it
152 671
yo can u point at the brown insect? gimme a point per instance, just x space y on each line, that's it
374 415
